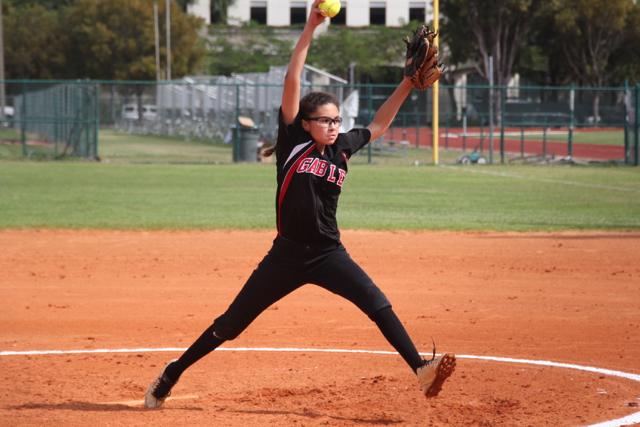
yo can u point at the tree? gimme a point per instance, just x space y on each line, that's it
114 39
33 54
184 4
481 31
219 10
625 62
252 49
477 30
378 52
588 32
47 4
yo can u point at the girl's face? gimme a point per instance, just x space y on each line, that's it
323 125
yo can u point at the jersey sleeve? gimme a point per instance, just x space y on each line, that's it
289 135
355 139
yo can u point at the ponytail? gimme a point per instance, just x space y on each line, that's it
267 152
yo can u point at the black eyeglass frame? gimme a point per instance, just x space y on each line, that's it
328 121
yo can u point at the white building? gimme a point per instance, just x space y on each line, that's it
354 13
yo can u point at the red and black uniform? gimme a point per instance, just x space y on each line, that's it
307 248
309 183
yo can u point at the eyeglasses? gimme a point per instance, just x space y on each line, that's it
325 122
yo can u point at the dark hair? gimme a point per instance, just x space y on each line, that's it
311 101
308 105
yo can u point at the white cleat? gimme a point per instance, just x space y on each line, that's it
434 372
159 390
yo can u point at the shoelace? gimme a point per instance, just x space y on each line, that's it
159 382
433 356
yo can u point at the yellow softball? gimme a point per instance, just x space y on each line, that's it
329 8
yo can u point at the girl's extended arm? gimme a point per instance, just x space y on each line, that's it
387 111
291 92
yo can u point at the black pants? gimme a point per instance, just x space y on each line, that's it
288 266
284 269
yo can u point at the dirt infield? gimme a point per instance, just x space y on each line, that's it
563 297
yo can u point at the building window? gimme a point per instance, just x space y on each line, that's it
259 12
417 14
377 14
298 15
340 18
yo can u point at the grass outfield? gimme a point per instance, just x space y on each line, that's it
608 137
122 147
125 196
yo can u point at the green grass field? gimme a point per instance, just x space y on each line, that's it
119 147
128 196
608 137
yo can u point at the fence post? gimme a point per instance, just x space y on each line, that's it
446 131
464 128
96 124
369 108
236 129
23 114
636 126
626 122
572 99
502 107
544 141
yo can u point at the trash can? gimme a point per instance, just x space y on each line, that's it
245 147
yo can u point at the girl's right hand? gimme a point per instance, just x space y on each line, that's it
315 17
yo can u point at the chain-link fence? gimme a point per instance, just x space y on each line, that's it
50 119
216 121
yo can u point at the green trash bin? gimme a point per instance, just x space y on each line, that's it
246 146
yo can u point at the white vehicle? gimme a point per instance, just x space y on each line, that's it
130 112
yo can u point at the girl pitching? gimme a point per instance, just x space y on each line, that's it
311 158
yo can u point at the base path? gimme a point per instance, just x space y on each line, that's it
570 298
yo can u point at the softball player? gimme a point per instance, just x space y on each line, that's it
311 158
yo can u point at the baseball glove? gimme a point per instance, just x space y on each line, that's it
421 64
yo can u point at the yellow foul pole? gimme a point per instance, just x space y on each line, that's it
436 87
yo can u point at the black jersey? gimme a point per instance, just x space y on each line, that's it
309 183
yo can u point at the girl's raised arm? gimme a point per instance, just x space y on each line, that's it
291 92
387 111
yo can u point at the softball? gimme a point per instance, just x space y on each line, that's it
329 8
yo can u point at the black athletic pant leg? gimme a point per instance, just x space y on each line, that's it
339 273
274 278
205 344
277 275
397 335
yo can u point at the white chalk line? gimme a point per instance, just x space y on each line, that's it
140 402
547 180
630 419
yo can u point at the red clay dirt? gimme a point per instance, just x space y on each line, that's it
512 145
562 297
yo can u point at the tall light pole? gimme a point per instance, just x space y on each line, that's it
2 95
436 88
168 15
156 32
